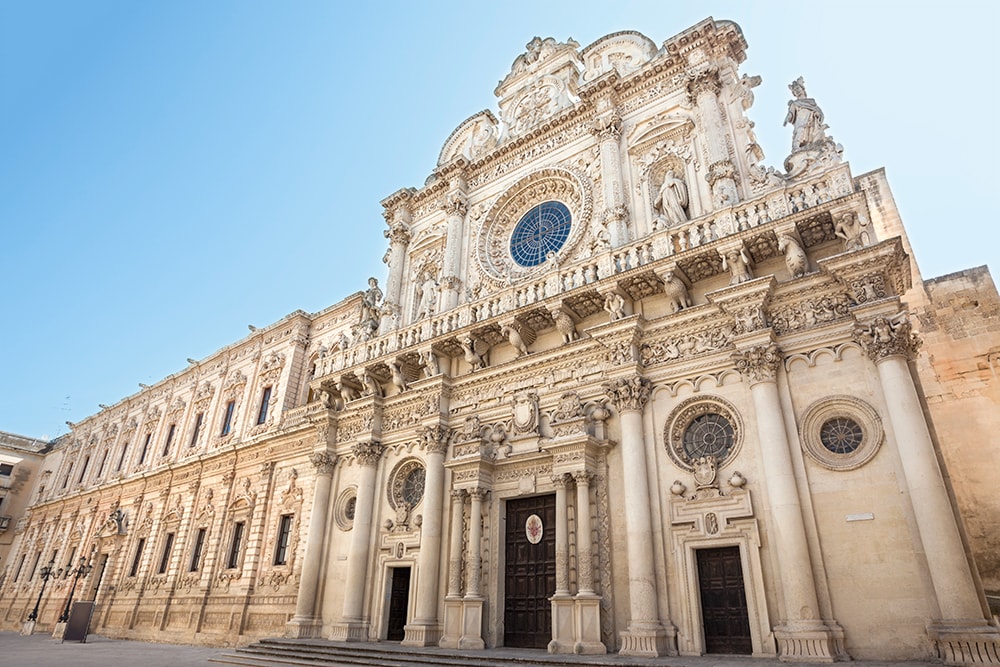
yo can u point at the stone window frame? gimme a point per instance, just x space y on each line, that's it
685 413
397 479
340 513
831 407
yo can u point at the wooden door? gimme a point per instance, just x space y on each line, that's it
399 603
530 578
723 601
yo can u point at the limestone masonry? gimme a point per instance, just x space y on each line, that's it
625 388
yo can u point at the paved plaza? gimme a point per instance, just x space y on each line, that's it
40 650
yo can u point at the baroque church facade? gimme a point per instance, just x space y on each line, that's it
625 389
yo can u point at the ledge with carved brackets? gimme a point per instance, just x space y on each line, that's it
873 273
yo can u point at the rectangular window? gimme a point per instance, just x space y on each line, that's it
34 567
235 545
227 423
69 471
6 469
137 558
20 566
199 544
284 533
121 459
100 468
165 558
264 400
83 470
198 419
170 439
72 555
145 447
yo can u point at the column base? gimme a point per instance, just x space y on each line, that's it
421 633
966 642
648 639
563 632
28 628
59 631
587 623
303 627
808 641
350 631
452 623
472 624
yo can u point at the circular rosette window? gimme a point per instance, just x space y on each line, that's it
841 432
701 427
406 484
542 216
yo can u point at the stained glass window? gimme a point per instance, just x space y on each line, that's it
542 230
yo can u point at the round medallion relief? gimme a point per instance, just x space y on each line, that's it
700 427
534 529
343 513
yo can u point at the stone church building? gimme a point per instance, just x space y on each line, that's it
625 388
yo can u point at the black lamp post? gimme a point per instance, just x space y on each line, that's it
46 572
80 570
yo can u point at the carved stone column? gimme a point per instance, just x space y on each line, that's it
455 207
398 208
352 626
584 543
608 131
562 536
472 604
306 622
802 635
645 635
424 630
962 634
703 89
453 599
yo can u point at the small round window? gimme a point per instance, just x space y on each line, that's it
406 484
708 435
542 230
700 427
841 432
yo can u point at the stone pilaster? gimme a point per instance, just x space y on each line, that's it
352 626
398 217
962 634
473 602
607 129
802 634
646 635
455 206
453 603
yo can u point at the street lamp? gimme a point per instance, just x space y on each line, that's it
81 570
46 572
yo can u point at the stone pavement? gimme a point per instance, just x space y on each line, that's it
40 650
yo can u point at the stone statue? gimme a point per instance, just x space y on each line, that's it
565 325
795 256
428 295
805 116
849 228
370 302
515 339
676 291
615 305
429 361
672 200
738 264
398 378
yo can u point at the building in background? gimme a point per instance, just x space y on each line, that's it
625 389
20 460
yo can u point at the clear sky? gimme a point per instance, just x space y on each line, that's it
171 172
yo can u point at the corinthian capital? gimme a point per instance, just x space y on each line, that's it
758 364
398 232
436 438
608 127
704 81
368 453
886 337
628 394
455 204
323 463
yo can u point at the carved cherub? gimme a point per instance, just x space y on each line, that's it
614 304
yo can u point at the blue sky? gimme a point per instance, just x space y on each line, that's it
171 172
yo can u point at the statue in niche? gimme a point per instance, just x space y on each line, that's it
671 201
428 294
370 302
738 264
805 116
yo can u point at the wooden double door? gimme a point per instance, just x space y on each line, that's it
530 578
